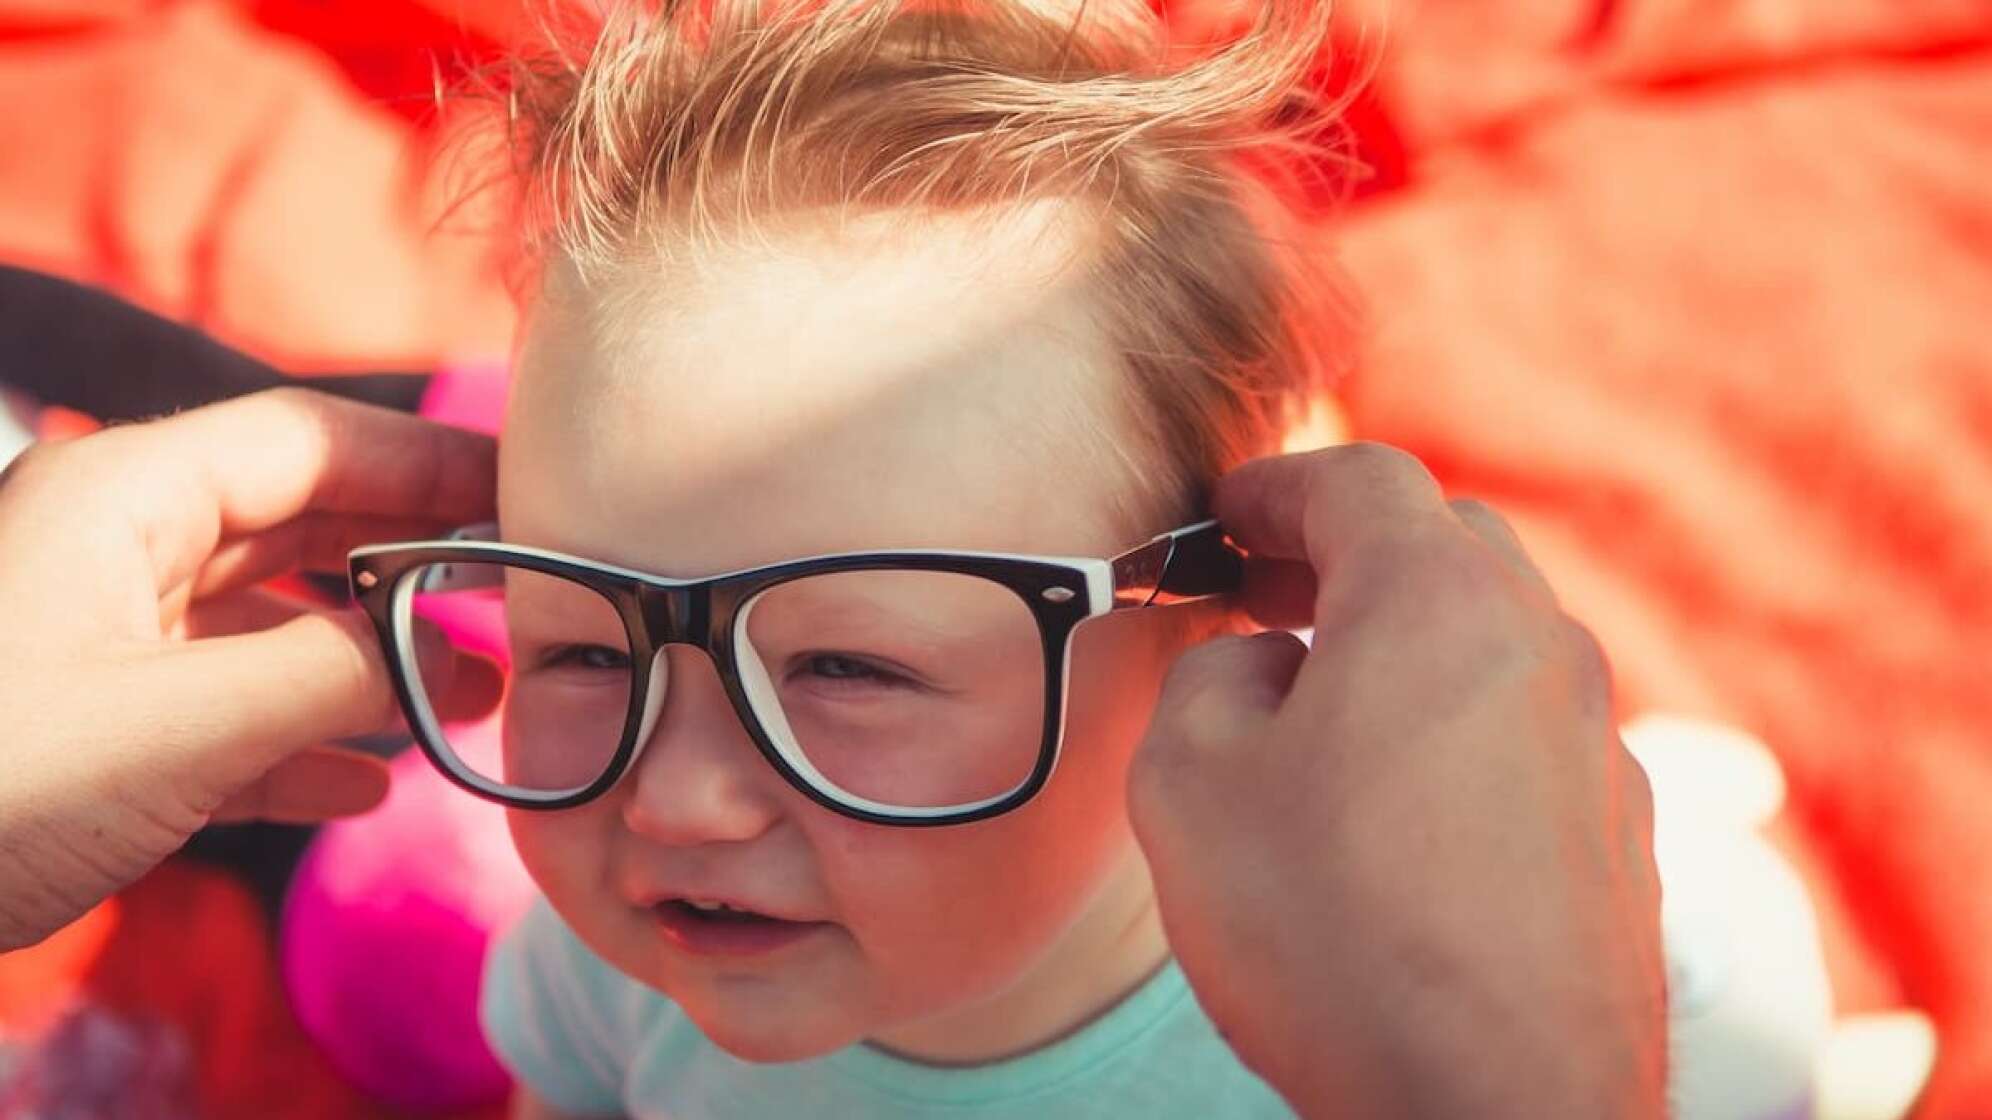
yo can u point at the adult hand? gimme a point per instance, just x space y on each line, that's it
1408 871
147 686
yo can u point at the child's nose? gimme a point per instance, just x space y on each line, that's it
699 778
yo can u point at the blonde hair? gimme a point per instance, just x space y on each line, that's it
697 118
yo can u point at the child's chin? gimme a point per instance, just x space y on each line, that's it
752 1041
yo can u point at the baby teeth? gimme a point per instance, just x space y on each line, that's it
701 904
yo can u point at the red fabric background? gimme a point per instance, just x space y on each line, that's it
1695 289
184 948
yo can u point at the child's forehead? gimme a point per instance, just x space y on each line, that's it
887 287
824 394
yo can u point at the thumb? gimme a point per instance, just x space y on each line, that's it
1220 689
1216 695
316 784
222 712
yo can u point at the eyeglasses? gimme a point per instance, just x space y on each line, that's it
921 687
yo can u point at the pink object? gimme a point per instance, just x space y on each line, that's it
384 936
469 395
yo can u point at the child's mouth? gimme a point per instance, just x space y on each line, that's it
715 928
719 911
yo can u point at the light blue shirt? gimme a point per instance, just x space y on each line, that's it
591 1041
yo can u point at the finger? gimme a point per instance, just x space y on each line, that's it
1308 507
1221 689
248 465
1278 594
316 784
461 687
316 678
312 542
1488 524
1217 694
1632 809
240 612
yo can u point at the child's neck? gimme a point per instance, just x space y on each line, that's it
1114 947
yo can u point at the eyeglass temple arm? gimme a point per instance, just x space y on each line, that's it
1180 566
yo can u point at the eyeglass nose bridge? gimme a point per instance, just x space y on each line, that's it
683 614
672 615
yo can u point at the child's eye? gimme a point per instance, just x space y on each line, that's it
844 668
586 657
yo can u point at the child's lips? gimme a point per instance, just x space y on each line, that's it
733 932
737 903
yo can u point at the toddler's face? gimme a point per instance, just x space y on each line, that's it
854 390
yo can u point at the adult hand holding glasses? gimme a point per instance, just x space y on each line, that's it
1408 870
149 687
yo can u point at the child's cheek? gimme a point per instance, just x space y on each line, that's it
563 852
959 900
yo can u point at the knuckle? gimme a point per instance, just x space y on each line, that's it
1635 792
1482 516
310 410
40 459
1590 666
1638 792
29 463
1472 622
1152 770
1392 468
67 476
1474 508
1361 488
1156 777
298 397
1445 581
1383 460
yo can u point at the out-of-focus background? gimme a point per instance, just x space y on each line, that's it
1699 292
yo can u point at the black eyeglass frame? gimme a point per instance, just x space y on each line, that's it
1184 565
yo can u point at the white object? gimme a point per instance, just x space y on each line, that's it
1874 1066
15 434
1751 1008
